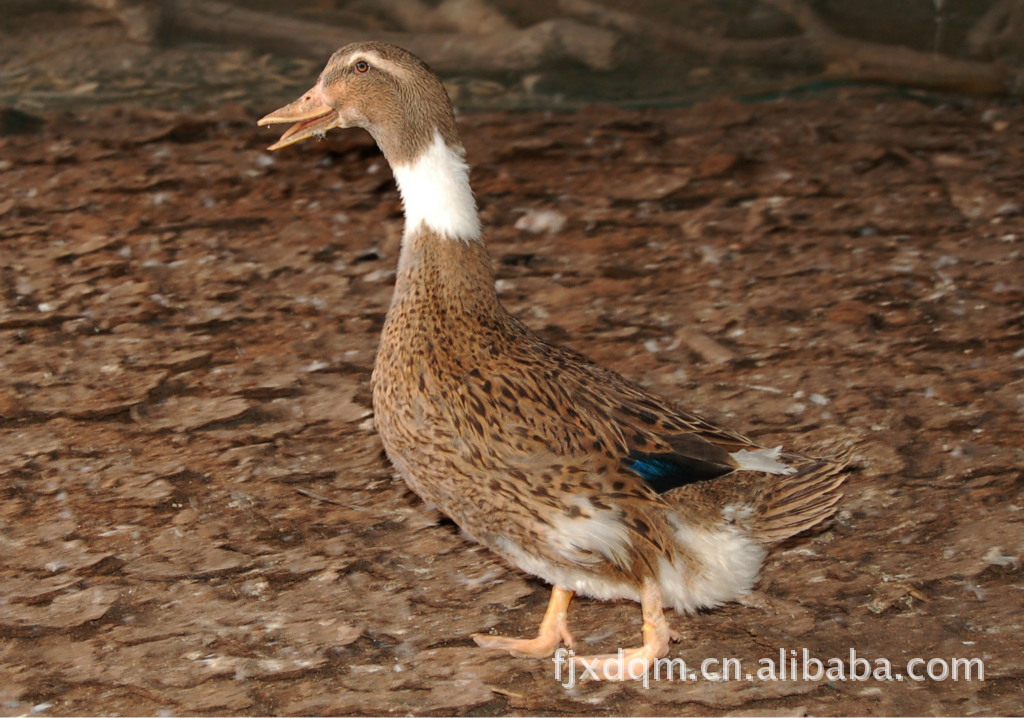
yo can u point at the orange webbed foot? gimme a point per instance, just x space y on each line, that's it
634 663
554 631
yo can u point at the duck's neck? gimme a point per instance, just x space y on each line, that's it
435 192
443 261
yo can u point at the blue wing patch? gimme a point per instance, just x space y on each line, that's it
667 471
652 468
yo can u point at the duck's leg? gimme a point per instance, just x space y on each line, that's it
554 629
633 663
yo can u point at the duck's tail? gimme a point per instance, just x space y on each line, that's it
787 505
769 507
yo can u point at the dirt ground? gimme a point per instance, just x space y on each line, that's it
197 516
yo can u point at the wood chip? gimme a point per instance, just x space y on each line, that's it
186 413
66 611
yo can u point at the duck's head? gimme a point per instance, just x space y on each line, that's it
382 88
403 104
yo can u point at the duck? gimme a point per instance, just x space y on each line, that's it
562 467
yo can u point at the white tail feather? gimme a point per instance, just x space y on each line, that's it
766 460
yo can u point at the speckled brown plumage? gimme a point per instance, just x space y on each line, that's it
561 466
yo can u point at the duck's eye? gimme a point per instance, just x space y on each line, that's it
361 66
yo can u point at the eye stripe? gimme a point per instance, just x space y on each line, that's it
376 63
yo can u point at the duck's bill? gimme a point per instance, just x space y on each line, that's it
311 118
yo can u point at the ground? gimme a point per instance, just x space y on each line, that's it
196 513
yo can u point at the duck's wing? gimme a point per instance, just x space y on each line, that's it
665 445
557 407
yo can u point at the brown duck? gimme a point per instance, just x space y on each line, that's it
564 468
